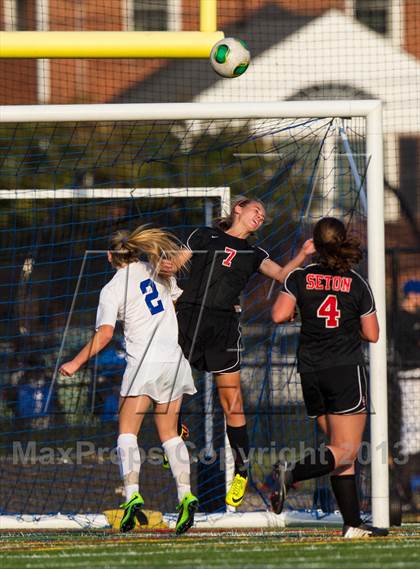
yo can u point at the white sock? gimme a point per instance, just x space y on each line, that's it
130 462
179 461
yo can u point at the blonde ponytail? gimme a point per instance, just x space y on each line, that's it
156 244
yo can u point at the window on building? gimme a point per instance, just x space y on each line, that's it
375 14
16 15
152 15
21 14
410 172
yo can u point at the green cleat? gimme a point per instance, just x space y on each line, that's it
187 508
132 512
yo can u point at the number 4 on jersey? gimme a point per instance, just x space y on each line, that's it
329 310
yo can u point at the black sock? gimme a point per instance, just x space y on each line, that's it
313 466
238 439
347 498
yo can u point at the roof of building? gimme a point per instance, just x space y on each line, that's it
190 77
300 57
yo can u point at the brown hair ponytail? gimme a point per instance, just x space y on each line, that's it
156 244
336 250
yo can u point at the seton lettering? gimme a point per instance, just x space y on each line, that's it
328 282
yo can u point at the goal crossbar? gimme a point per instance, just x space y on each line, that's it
189 111
223 193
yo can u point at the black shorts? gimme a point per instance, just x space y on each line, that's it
340 390
210 339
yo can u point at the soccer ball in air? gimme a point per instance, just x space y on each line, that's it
230 57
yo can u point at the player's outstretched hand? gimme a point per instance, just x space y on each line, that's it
308 247
166 268
69 368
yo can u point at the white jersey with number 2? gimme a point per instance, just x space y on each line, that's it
143 302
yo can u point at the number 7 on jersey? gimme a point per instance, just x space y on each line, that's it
227 261
329 310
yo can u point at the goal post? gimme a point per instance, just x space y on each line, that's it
378 359
114 44
304 114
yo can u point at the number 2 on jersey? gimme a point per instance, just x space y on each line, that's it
151 299
329 310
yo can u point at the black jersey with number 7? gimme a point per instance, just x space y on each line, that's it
219 270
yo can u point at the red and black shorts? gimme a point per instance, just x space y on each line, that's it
340 390
210 339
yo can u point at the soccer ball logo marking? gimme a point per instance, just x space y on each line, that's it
230 57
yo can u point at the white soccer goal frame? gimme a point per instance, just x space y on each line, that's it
371 110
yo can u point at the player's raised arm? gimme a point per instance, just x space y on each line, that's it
167 267
99 340
275 271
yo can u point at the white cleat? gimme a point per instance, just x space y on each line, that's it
363 531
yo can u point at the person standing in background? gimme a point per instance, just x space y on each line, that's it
407 345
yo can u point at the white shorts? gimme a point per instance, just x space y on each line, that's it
161 381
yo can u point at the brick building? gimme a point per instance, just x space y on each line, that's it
65 81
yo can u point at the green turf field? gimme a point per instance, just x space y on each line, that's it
288 548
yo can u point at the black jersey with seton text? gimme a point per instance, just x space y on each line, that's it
219 269
331 305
